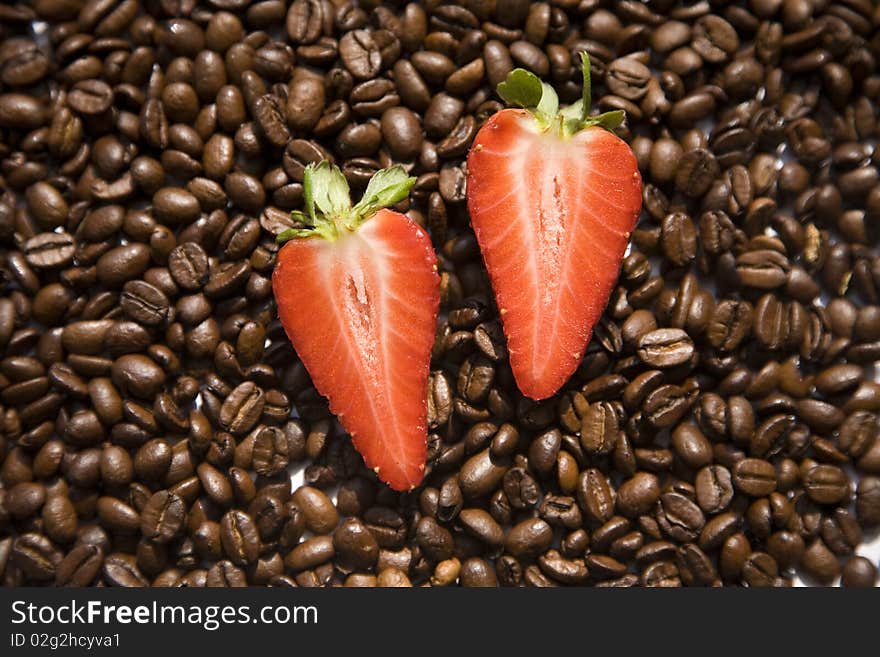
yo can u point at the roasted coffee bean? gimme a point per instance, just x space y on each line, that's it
714 488
599 428
529 538
858 572
665 348
163 517
754 477
826 484
49 250
638 495
360 54
242 408
691 446
239 537
120 569
318 511
35 556
595 495
80 566
697 169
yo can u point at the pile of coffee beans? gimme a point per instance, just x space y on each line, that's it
722 429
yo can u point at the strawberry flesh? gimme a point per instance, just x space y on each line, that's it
553 216
358 297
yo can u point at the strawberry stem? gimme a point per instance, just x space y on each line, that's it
328 202
587 97
523 89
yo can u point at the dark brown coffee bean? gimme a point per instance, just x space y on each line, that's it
442 115
678 239
697 170
121 569
242 408
754 477
481 473
826 484
529 538
163 517
215 484
595 495
402 132
638 495
137 375
858 572
80 566
122 264
49 250
35 556
355 546
239 537
310 553
360 54
820 562
691 446
320 515
665 348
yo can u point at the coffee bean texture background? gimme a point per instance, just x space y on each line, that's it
721 430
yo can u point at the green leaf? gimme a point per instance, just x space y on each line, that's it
573 111
609 120
302 218
587 97
548 106
386 187
294 233
325 188
572 118
521 88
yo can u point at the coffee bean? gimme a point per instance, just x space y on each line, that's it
714 488
310 553
825 484
239 537
691 446
754 477
638 495
360 54
595 495
49 250
215 484
80 566
665 348
858 572
35 556
121 569
528 538
163 517
137 375
697 170
402 132
20 111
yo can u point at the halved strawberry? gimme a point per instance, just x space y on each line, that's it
553 198
358 293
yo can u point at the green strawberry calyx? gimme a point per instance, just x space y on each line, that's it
524 89
328 209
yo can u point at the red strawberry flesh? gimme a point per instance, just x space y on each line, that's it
360 310
553 216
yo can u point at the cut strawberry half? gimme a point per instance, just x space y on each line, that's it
553 198
357 292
